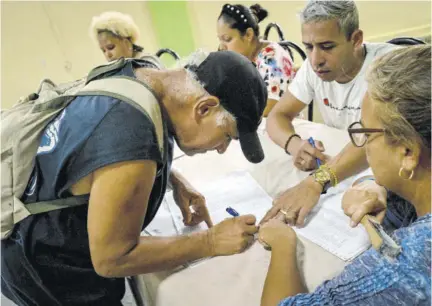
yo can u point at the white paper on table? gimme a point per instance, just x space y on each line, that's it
327 225
237 190
163 223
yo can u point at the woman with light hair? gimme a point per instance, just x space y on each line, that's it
116 34
395 129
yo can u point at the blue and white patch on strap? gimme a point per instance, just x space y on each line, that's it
50 136
31 187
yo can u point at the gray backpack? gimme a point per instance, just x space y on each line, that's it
23 125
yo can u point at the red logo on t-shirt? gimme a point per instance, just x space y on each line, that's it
326 102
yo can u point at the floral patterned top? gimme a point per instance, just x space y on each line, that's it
276 68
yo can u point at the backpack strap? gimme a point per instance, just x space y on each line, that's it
105 68
109 68
128 90
131 91
45 206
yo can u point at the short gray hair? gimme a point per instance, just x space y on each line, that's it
400 82
194 60
345 12
191 83
224 117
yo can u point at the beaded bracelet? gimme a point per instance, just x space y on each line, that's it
288 141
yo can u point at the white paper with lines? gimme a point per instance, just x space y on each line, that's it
327 225
237 190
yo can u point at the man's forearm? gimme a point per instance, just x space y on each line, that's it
279 127
350 161
153 254
177 178
283 278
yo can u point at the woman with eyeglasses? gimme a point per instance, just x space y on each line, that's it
395 129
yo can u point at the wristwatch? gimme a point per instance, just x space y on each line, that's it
323 177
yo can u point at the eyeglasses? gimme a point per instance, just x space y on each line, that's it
359 134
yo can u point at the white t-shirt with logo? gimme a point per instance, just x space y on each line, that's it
339 104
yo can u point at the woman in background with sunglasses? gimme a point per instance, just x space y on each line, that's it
395 129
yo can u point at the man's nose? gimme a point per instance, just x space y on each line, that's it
316 57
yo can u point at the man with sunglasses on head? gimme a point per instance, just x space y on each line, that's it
333 77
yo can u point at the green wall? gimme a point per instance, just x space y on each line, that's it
172 27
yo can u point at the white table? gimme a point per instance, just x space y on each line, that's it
239 279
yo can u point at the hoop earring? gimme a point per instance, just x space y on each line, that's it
409 178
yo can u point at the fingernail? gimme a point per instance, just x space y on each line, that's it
352 224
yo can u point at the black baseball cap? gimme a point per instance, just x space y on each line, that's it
236 82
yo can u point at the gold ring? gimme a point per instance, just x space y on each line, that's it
284 212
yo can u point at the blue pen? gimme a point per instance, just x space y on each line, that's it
232 212
312 143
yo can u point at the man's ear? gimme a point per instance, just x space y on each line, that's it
205 106
357 39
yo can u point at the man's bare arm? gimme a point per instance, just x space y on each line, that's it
279 121
303 197
280 128
118 204
350 161
283 277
